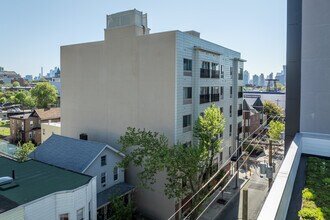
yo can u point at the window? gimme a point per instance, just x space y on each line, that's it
202 114
230 111
229 151
30 135
215 70
31 124
187 65
205 70
103 179
221 109
204 96
231 72
221 156
221 135
115 173
187 144
231 92
230 130
104 160
186 123
222 72
221 92
214 93
80 214
187 95
64 216
13 122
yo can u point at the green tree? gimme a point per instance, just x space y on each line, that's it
15 84
120 210
24 150
3 100
187 168
20 96
275 129
271 109
29 102
44 94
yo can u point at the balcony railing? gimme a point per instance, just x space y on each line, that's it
215 74
240 94
215 97
240 76
205 73
204 98
239 112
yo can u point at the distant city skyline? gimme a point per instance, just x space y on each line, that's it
34 33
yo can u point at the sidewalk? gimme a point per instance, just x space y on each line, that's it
257 186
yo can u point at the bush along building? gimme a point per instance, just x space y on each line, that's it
161 82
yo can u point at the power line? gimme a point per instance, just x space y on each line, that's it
228 181
273 116
234 174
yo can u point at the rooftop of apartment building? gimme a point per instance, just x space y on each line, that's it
32 180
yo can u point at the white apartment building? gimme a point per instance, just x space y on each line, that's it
161 82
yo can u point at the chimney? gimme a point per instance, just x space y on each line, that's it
13 174
83 136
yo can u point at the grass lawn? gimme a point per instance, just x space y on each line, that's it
316 194
4 128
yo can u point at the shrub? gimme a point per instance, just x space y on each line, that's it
307 194
311 213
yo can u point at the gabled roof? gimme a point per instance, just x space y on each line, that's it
69 153
47 113
33 180
246 106
258 103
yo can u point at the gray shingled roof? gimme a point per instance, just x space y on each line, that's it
119 189
246 106
69 153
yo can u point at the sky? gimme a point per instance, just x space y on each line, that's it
32 32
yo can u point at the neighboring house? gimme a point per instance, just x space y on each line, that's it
35 190
48 129
277 97
8 76
251 120
158 81
6 114
27 127
91 158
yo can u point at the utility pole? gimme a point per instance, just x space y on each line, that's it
270 164
245 204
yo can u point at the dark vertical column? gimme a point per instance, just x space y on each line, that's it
293 62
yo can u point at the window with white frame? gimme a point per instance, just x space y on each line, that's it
80 214
103 179
31 124
187 95
104 160
186 123
64 216
115 173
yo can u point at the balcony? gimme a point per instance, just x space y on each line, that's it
240 76
215 74
240 94
204 98
215 97
205 73
239 112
